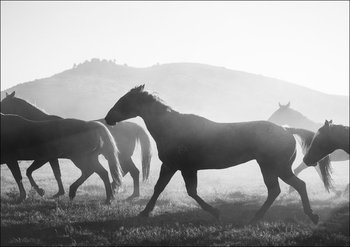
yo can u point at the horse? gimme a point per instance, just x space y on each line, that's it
125 134
77 140
285 115
327 139
189 143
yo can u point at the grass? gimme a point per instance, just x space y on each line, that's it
176 219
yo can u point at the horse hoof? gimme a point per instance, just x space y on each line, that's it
314 218
144 214
57 195
21 199
108 201
71 197
41 192
130 198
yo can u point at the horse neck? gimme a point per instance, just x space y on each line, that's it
340 137
155 122
38 115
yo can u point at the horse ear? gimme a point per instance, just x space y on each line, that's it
10 95
288 104
139 88
279 104
326 123
330 121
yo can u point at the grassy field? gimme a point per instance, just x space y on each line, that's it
177 219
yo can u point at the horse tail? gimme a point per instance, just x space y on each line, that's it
304 135
110 151
145 152
324 164
326 170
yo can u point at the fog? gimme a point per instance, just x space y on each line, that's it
88 90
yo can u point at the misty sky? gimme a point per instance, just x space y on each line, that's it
306 43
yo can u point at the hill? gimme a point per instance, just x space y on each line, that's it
88 90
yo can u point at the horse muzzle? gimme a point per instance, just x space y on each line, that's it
309 162
109 120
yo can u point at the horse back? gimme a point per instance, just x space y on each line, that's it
202 143
62 138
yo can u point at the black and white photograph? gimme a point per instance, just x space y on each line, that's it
175 123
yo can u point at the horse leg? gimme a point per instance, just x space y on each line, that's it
300 168
127 166
296 171
190 178
300 186
102 172
16 172
86 172
34 166
165 175
57 172
273 190
135 174
73 188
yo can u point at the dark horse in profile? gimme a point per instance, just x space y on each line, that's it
328 138
125 134
77 140
189 143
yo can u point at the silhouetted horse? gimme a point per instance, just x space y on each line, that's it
125 135
327 139
77 140
189 143
285 115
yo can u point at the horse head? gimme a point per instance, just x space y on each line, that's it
14 105
282 115
126 107
284 106
11 95
320 145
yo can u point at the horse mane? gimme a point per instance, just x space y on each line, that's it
151 98
299 114
32 105
338 127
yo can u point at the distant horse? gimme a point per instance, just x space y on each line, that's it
285 115
327 139
125 134
77 140
189 143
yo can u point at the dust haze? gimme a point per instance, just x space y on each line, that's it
88 90
228 64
